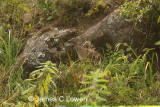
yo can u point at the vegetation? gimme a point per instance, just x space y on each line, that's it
121 79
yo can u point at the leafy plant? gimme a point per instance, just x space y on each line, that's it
12 12
96 5
42 83
95 87
121 79
137 10
9 50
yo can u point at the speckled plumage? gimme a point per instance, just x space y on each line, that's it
86 53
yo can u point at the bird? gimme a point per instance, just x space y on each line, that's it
86 53
88 44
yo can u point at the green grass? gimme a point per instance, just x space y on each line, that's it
10 47
119 80
116 81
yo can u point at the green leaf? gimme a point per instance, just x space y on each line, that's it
157 43
40 75
83 90
8 26
48 78
102 80
30 104
89 77
86 82
45 84
52 71
54 68
128 49
41 91
99 98
100 3
28 91
104 92
49 18
103 86
35 72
